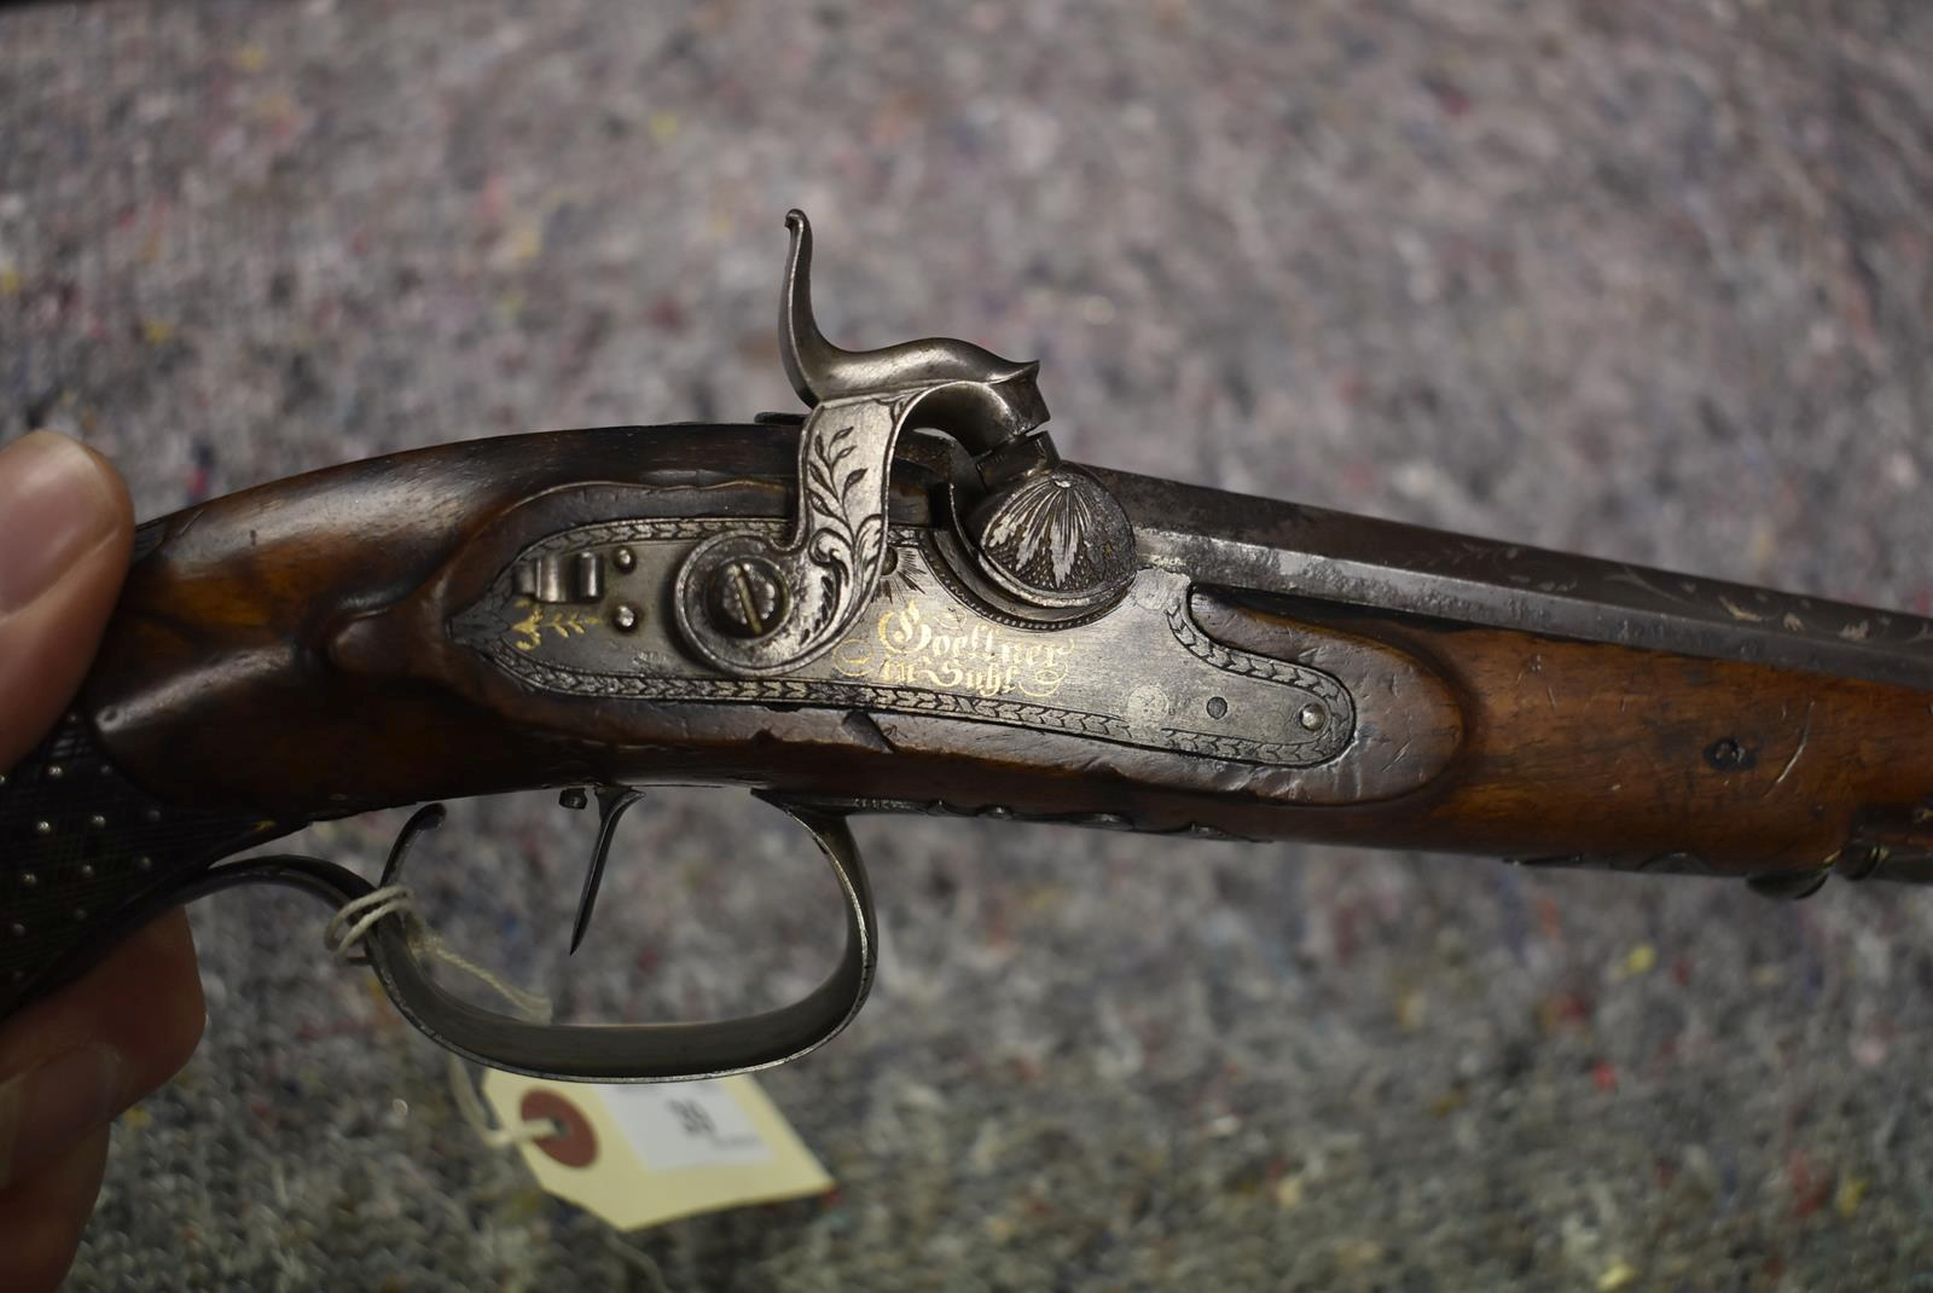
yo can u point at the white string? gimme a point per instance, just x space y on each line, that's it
344 936
355 918
470 1105
429 944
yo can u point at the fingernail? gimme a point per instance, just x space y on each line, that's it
45 1109
56 504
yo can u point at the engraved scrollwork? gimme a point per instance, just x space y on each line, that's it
830 567
755 608
848 545
1144 676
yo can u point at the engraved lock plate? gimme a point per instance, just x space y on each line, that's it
1143 675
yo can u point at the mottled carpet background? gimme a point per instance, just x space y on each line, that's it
1650 279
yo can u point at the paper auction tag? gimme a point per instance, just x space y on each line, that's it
639 1154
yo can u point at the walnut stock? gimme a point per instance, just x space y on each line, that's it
376 634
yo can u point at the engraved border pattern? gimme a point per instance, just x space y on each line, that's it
1316 748
1342 707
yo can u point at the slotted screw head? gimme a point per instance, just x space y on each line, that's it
746 597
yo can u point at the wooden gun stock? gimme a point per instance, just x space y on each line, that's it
905 601
298 651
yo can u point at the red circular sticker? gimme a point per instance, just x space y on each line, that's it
577 1146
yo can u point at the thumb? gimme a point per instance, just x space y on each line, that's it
66 528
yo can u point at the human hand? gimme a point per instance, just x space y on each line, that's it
71 1063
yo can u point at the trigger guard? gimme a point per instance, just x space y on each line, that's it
671 1052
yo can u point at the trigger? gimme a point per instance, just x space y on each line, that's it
612 802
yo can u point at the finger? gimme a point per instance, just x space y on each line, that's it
74 1061
42 1217
66 528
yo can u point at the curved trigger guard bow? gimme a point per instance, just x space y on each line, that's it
637 1052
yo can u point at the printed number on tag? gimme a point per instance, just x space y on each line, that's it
685 1125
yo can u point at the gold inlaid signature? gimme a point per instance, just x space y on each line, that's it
911 645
